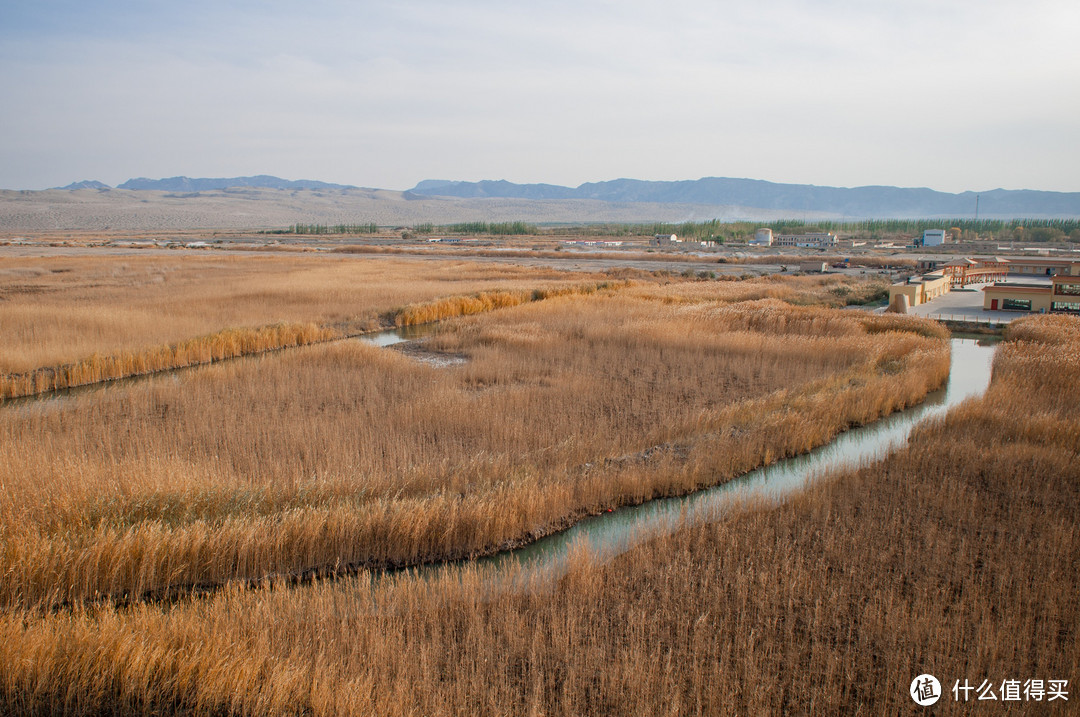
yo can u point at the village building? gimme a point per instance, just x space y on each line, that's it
941 275
806 241
664 240
762 237
976 271
1039 266
918 290
933 237
1061 295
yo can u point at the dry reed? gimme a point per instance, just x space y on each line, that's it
482 302
202 350
350 455
132 303
105 314
956 556
60 310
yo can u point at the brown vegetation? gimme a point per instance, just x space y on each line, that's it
815 290
482 302
345 455
229 343
75 321
956 556
71 321
60 310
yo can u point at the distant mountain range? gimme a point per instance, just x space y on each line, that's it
857 202
86 184
793 199
188 184
262 181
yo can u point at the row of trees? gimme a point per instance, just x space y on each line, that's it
716 230
333 229
499 228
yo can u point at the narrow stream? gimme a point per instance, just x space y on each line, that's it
51 400
612 534
400 335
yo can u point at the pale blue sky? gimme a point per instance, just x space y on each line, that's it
950 95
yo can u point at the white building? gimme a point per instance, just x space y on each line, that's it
933 237
762 237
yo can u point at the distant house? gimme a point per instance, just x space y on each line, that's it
762 237
814 267
583 242
934 237
822 240
664 240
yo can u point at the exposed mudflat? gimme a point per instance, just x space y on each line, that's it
417 351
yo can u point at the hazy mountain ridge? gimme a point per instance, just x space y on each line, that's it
254 208
189 184
270 202
840 202
85 184
855 202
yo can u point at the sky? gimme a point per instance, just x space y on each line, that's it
949 94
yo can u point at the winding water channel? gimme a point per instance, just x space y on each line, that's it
610 534
50 400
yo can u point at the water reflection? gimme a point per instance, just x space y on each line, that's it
400 334
611 534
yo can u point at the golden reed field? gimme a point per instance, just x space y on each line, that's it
72 321
825 605
152 532
346 455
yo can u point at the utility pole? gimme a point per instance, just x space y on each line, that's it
976 212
